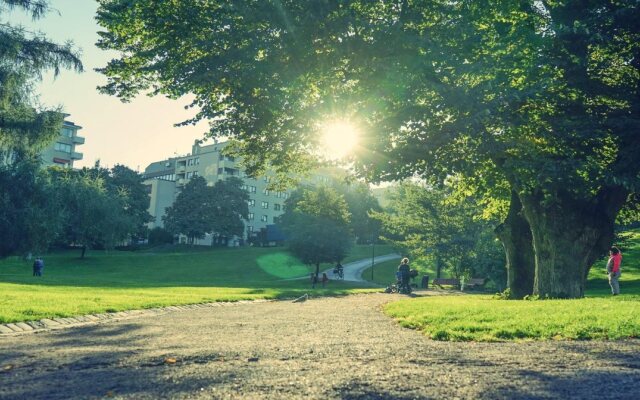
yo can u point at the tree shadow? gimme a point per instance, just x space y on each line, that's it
102 361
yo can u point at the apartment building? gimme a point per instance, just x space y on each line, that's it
62 151
165 179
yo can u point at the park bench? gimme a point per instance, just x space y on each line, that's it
446 282
471 283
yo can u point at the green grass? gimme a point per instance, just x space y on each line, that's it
486 318
284 265
116 281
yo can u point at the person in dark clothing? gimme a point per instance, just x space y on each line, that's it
404 271
38 266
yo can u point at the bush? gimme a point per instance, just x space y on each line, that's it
160 236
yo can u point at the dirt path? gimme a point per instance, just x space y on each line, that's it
330 348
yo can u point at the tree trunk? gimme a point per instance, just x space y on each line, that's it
438 265
84 250
568 237
517 240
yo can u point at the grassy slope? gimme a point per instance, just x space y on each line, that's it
483 318
118 281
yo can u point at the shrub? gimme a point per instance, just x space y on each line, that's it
160 236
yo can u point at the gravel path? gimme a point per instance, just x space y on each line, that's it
326 348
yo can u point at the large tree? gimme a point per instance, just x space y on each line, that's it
191 214
26 127
125 183
230 207
29 210
316 225
91 215
542 93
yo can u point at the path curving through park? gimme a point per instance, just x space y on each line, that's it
353 270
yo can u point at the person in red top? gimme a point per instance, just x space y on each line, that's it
613 270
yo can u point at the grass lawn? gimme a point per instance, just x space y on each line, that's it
485 318
116 281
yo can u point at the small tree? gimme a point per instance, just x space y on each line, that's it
191 214
316 223
229 207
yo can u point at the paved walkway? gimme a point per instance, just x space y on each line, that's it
326 348
353 270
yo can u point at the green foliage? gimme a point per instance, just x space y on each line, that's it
230 207
429 223
29 216
201 209
188 215
316 225
92 215
536 97
24 56
361 203
159 235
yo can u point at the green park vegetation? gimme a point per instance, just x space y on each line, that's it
116 281
488 318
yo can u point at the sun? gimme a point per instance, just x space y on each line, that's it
339 138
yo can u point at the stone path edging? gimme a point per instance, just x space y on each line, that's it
47 324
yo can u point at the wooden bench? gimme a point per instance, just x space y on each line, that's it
446 282
471 283
475 282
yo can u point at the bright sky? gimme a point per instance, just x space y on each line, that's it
134 134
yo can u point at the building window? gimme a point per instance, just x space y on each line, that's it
195 173
252 189
252 203
196 161
190 161
267 179
66 148
265 204
250 216
264 218
249 228
189 175
276 207
67 132
265 192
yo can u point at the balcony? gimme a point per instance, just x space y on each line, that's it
77 140
76 156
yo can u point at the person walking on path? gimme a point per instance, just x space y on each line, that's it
613 270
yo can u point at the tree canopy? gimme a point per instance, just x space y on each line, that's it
26 127
540 97
316 225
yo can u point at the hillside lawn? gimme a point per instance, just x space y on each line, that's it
116 281
482 317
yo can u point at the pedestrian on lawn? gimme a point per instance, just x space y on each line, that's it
613 269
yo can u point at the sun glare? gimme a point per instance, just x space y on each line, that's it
339 139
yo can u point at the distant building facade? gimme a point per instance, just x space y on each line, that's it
165 179
62 152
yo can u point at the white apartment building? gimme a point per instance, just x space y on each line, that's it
166 178
62 151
